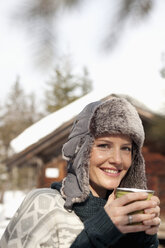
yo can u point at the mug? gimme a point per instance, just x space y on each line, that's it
123 191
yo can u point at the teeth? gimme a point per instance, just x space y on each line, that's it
111 171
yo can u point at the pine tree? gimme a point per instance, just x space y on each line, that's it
19 112
65 87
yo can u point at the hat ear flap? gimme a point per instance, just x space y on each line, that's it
135 177
75 187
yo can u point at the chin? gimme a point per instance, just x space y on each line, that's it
111 186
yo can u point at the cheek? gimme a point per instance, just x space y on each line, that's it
127 165
96 158
127 162
124 171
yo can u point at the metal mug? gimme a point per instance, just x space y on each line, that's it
123 191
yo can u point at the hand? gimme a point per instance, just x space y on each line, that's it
119 209
155 222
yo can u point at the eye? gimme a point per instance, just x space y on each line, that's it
103 146
127 148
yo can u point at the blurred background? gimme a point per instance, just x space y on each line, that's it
55 56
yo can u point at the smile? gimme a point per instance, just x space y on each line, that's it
111 171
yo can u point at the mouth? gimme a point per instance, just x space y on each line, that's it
111 171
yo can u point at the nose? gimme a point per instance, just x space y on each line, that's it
115 157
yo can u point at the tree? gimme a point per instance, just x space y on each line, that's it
66 86
133 10
19 112
41 18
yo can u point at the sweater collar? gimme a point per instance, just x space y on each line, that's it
90 207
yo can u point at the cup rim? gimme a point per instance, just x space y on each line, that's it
135 190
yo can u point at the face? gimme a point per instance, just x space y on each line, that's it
110 159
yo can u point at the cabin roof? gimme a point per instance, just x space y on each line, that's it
46 137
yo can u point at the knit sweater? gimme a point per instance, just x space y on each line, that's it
100 232
43 222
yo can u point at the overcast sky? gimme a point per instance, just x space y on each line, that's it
133 67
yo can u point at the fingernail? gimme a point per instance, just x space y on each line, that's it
145 194
146 211
147 227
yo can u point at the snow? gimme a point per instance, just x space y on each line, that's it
12 200
51 122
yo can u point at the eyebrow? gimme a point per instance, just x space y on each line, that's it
108 141
127 144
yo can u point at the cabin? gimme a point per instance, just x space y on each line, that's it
43 158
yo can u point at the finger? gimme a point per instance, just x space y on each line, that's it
135 218
139 218
111 198
155 210
131 197
155 198
133 228
153 222
138 206
152 230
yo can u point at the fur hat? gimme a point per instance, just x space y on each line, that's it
113 116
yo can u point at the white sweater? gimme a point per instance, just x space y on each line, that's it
42 222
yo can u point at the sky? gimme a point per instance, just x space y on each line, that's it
133 67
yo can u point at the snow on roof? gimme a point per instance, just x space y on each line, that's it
51 122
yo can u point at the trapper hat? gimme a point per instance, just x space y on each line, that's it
113 116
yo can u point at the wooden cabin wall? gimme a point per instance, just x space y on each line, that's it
155 170
46 179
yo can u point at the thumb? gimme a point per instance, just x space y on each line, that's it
111 197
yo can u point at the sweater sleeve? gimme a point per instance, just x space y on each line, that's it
99 231
151 241
137 240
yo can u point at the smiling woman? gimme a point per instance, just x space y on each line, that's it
103 152
111 157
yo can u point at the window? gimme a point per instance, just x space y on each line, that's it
52 172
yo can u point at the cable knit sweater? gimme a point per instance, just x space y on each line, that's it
100 232
43 222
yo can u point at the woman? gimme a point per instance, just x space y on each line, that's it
103 152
